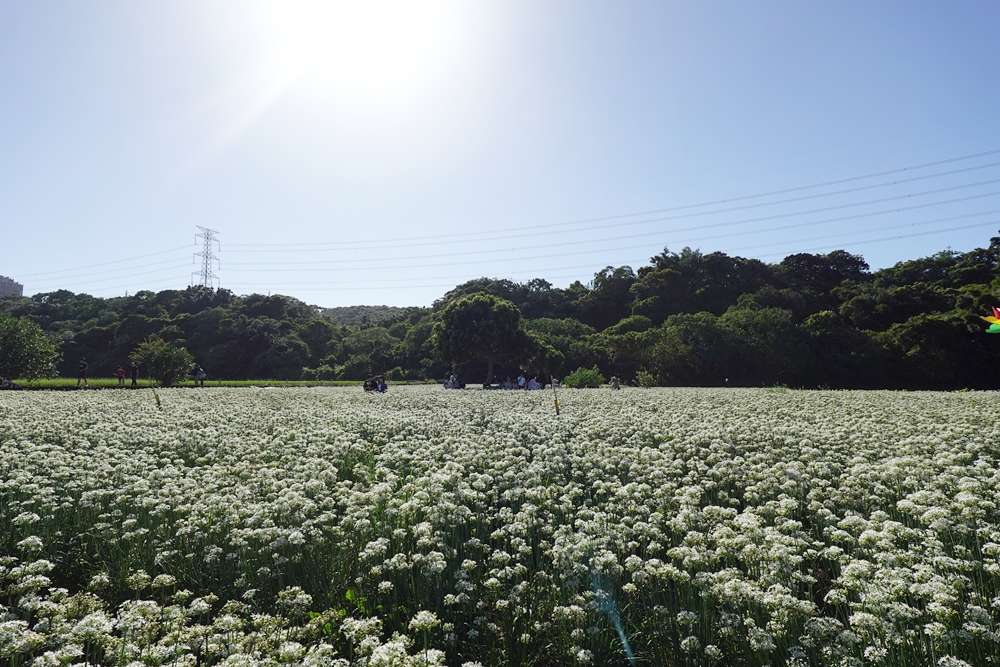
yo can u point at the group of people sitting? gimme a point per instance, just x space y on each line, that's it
453 382
522 382
7 384
376 384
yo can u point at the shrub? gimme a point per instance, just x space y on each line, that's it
583 378
25 352
645 379
323 372
162 361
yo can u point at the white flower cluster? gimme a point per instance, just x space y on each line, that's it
330 527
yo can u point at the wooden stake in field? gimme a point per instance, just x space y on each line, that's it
155 395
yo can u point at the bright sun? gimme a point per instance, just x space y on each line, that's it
370 48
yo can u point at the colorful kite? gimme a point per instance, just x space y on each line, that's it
994 320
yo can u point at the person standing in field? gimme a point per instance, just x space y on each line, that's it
120 374
200 376
135 374
81 372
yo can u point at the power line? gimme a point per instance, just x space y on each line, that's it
328 288
175 283
726 166
123 269
905 236
116 261
67 273
210 257
131 275
742 248
711 237
698 205
655 233
888 238
548 256
711 226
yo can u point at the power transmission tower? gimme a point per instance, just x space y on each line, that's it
207 277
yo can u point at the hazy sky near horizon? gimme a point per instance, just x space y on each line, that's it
381 152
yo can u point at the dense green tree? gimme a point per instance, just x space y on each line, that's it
482 327
366 316
535 298
659 293
686 318
689 349
283 359
690 282
321 337
370 350
417 352
817 275
574 340
934 270
765 348
609 299
844 356
25 351
870 306
770 296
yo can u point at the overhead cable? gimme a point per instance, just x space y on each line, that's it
690 206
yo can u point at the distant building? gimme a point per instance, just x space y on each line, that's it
9 288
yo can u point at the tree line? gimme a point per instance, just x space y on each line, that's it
686 318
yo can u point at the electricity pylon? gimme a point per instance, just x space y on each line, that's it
206 277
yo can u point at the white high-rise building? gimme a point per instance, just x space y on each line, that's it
10 288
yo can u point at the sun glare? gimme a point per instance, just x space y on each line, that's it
374 49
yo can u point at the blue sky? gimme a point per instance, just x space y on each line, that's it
382 153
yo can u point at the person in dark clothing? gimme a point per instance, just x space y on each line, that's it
134 368
81 372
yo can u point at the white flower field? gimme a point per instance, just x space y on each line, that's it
327 526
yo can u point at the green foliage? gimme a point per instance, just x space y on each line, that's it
584 378
632 323
165 363
482 327
645 379
687 319
572 339
608 301
25 352
367 316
